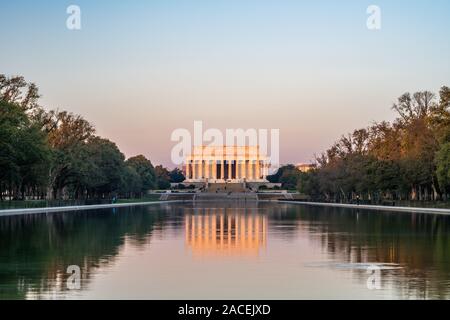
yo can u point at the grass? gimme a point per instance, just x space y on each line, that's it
26 204
148 198
397 203
20 204
424 204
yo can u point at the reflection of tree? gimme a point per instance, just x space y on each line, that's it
418 242
35 250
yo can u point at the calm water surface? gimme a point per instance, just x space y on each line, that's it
225 251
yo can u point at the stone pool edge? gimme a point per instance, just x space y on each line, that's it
370 207
14 212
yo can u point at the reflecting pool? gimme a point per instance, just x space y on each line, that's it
225 251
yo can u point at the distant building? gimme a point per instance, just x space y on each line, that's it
303 167
217 164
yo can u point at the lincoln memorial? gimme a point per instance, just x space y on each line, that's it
216 164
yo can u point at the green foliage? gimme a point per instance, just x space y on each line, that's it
24 153
145 170
443 167
105 166
176 176
56 154
162 177
286 175
308 184
131 185
406 160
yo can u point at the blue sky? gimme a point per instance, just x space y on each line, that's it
140 69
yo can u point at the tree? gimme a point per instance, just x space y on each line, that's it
67 134
56 153
17 91
24 154
308 183
145 170
389 160
103 176
417 106
176 176
162 177
443 168
441 121
131 186
286 175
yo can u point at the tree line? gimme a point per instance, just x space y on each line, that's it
406 159
57 155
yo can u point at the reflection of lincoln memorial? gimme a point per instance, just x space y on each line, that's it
225 231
